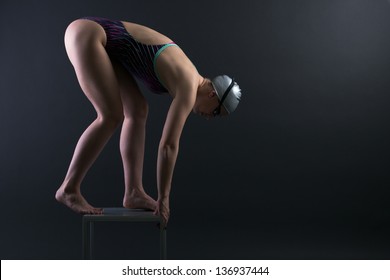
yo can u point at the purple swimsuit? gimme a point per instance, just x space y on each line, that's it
137 58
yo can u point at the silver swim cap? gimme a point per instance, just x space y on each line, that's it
228 92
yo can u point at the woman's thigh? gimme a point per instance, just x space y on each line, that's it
84 42
134 103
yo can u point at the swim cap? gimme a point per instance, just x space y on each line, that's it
228 92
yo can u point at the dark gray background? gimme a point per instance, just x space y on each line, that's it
299 171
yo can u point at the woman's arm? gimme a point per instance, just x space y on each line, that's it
168 150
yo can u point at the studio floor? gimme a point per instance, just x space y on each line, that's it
200 238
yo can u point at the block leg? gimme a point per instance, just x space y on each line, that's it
86 237
91 238
87 242
163 243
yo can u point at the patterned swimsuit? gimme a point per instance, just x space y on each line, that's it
137 58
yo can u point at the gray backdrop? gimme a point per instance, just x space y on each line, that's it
299 171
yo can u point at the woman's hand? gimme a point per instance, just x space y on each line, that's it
162 210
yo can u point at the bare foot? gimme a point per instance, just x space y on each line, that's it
139 200
76 202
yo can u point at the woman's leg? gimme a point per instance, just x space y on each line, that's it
132 140
84 41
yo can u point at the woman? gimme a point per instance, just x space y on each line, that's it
106 58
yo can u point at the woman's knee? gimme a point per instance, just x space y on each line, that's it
139 112
111 119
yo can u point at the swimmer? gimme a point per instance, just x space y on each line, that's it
107 56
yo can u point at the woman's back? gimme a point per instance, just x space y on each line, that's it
145 35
